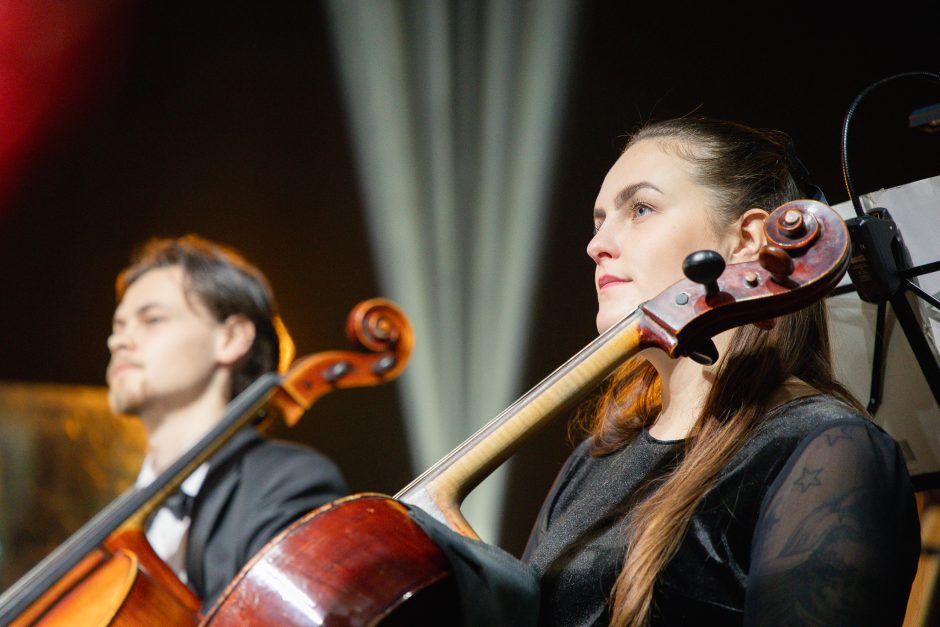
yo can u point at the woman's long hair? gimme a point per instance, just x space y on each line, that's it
743 168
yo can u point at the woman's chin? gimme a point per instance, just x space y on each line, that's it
605 321
609 316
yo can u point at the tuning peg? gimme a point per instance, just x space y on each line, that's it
765 325
776 261
705 353
704 267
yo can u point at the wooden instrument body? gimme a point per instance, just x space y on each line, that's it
111 589
352 562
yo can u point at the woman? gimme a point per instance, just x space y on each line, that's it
754 491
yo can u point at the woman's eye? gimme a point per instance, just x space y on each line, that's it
640 210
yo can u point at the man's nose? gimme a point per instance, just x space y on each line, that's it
118 340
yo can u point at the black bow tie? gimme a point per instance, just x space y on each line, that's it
180 504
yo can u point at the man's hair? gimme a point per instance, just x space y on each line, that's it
226 284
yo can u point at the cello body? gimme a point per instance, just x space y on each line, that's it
113 591
374 559
125 583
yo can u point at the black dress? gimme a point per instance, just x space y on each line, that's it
813 522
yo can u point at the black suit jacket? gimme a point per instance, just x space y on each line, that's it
255 487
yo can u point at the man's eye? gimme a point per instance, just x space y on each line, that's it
153 319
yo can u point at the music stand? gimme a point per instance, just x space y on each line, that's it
903 383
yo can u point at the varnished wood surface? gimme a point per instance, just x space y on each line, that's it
442 488
348 563
115 592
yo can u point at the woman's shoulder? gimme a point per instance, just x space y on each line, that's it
828 432
806 416
841 509
789 427
817 431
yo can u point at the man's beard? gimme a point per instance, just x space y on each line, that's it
124 400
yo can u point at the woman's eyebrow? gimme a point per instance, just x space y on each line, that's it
630 190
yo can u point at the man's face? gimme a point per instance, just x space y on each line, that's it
163 346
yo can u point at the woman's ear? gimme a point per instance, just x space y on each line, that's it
750 235
235 336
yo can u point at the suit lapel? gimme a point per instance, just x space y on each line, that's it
223 477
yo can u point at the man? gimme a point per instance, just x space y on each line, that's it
195 325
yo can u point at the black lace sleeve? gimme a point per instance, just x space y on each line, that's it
838 538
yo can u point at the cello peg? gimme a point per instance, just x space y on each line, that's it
384 364
704 353
704 267
776 261
337 371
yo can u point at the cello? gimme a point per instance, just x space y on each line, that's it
107 573
362 560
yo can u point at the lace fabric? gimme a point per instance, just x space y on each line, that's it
834 542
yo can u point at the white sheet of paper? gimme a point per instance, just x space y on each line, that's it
908 410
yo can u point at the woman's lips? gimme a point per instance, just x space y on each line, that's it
609 279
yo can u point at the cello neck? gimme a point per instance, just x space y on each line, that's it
133 507
441 489
797 266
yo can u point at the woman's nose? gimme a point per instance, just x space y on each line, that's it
601 245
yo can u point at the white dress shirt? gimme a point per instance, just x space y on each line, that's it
167 534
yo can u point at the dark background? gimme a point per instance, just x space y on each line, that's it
225 119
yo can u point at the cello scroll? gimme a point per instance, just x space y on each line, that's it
378 326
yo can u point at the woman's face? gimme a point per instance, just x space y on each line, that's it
649 214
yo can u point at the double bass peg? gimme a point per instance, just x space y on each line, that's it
704 267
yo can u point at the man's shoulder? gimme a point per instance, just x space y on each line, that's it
252 463
271 451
